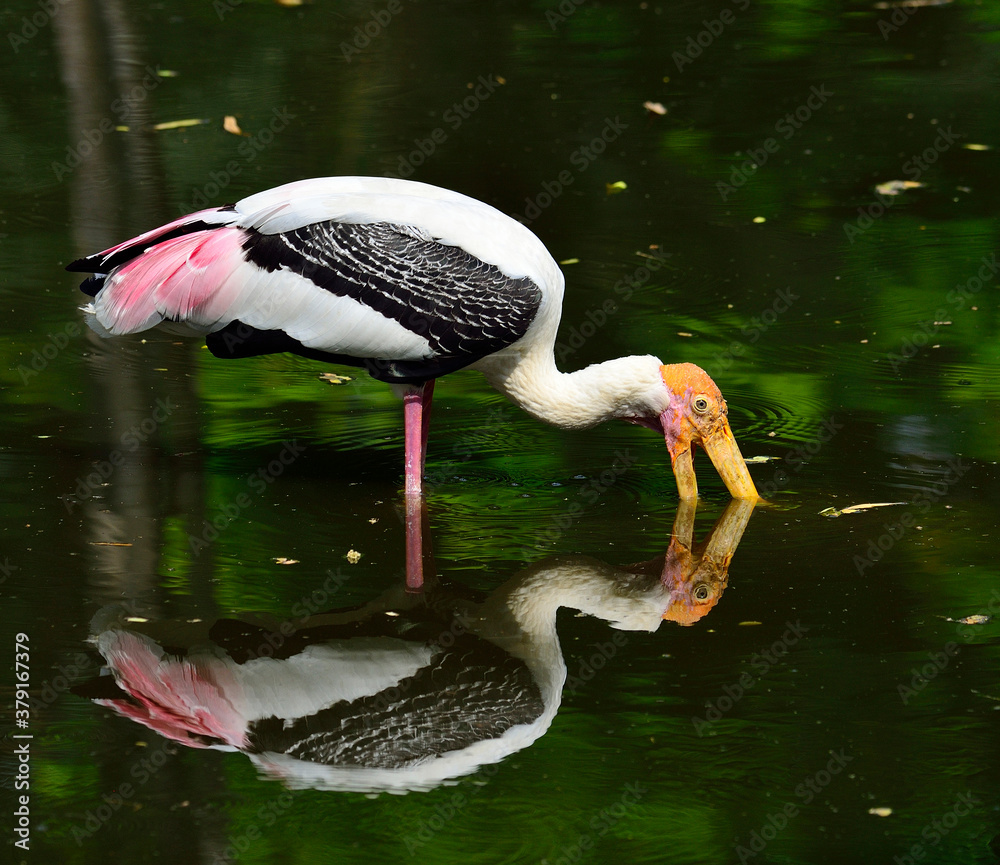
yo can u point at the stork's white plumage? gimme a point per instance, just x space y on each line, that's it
410 282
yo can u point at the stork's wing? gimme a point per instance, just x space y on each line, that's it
392 299
387 297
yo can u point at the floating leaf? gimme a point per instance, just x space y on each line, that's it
230 124
281 560
654 107
894 187
986 696
880 812
853 509
616 187
657 257
977 146
166 73
179 124
334 378
760 219
968 620
570 261
745 624
753 461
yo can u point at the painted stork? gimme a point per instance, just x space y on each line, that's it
410 282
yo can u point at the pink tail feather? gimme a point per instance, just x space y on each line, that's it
102 262
186 279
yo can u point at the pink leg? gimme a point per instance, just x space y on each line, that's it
416 422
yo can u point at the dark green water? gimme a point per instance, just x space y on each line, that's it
853 333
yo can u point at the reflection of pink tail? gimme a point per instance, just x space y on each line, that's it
182 699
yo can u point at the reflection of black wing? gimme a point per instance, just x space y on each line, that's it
471 692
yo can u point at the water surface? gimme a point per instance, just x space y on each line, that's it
854 335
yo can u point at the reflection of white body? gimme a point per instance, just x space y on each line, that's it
409 691
206 699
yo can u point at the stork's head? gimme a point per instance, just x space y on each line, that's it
690 411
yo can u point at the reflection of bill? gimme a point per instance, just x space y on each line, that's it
696 574
409 690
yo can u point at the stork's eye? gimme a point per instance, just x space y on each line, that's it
701 404
701 592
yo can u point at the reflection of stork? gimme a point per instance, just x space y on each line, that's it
408 691
410 282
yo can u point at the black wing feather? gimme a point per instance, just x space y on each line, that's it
465 308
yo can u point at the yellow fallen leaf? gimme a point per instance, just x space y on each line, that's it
752 461
977 147
281 560
853 509
166 73
684 333
334 378
179 124
880 812
570 261
968 620
986 696
894 187
654 107
616 187
745 624
230 125
760 219
288 2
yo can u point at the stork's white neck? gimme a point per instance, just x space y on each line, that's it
620 388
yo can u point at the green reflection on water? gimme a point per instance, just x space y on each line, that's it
829 355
